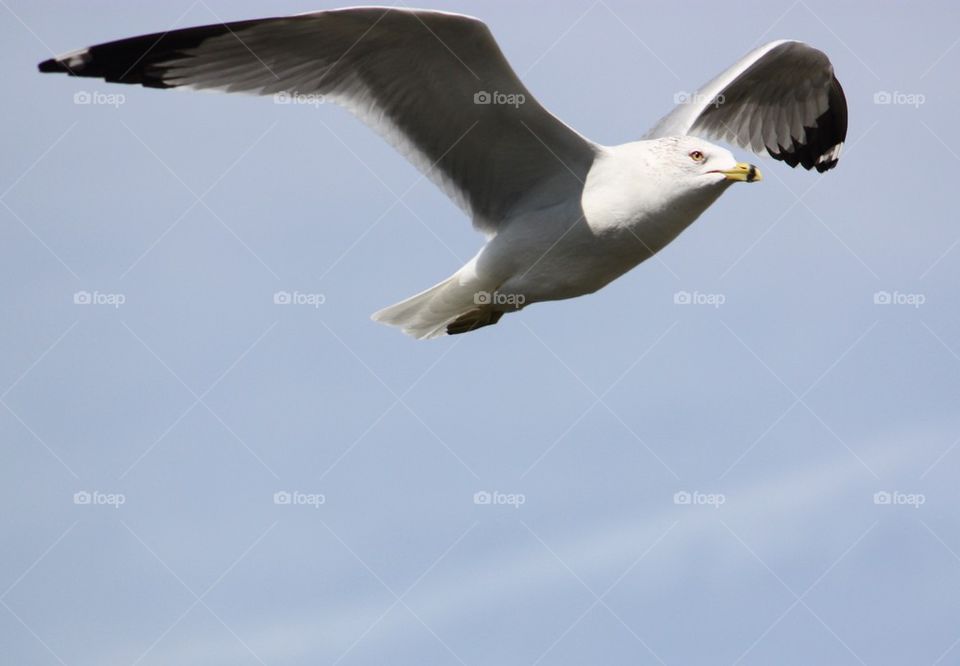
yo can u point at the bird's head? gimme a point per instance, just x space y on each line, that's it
681 175
702 164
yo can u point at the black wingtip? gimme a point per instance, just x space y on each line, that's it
52 65
139 60
826 166
821 147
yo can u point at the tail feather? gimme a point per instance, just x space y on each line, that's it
446 308
474 319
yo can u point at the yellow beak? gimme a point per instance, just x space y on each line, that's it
743 171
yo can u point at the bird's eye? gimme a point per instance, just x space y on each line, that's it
696 156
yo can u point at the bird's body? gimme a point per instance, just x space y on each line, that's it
628 209
563 215
626 212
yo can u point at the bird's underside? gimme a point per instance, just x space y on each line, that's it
437 86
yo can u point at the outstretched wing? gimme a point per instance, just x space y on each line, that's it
435 85
781 99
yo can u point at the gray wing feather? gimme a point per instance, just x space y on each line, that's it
412 75
781 99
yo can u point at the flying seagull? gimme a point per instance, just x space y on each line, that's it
563 216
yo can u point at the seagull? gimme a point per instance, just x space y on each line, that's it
563 216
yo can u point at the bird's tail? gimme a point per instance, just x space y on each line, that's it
453 306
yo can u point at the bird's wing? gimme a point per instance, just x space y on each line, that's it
781 99
435 85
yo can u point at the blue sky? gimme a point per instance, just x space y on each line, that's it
184 409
